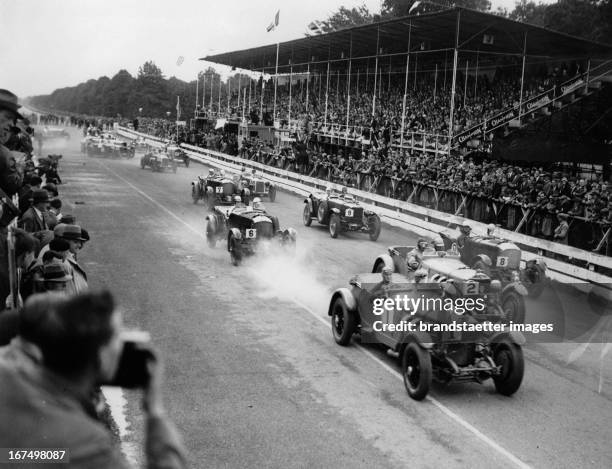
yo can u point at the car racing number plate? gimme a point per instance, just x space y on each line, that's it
471 288
349 212
251 233
502 261
219 189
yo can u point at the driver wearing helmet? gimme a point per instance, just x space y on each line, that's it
382 288
465 229
414 259
257 204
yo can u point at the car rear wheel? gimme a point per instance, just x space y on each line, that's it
334 225
416 370
306 216
513 306
272 193
342 322
210 236
509 356
235 252
374 228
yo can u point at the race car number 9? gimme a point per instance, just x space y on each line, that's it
349 212
502 261
251 233
219 189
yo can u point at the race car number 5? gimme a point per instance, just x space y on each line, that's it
251 233
502 261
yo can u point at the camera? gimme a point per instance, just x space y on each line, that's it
132 370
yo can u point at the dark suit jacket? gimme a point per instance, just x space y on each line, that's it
31 222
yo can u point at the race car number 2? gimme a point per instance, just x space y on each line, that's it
251 233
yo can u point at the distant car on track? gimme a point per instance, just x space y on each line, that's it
215 189
341 212
257 186
157 161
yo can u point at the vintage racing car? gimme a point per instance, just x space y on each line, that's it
50 133
247 229
157 160
500 259
341 212
257 186
425 352
178 154
216 189
447 267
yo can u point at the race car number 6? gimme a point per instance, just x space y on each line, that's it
251 233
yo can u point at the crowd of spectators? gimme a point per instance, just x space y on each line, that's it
58 340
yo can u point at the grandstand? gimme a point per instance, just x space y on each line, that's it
508 79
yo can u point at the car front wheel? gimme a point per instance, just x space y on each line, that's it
417 371
235 252
374 228
306 216
513 306
509 356
342 322
334 225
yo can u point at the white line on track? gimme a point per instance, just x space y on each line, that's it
445 410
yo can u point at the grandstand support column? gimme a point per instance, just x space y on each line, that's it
435 83
406 86
307 83
219 104
348 89
275 86
326 93
588 71
290 83
522 77
454 85
465 80
212 80
375 70
262 96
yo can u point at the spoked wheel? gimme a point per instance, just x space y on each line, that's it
334 226
306 216
417 371
374 228
342 322
510 357
513 306
322 215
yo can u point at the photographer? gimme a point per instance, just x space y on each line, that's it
50 406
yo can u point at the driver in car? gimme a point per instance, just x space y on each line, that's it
414 258
466 230
381 289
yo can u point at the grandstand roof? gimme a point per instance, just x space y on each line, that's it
430 33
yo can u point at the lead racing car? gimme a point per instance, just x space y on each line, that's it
461 281
482 350
341 212
247 229
157 160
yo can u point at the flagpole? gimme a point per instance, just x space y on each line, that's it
197 96
178 114
275 85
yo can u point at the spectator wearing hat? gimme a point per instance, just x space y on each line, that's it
33 220
75 237
560 234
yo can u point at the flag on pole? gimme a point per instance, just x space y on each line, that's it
274 23
315 28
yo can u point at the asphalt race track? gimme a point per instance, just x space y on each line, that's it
253 375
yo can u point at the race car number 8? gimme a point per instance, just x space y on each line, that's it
502 261
219 189
349 212
251 233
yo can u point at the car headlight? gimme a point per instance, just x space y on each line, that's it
515 276
496 286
